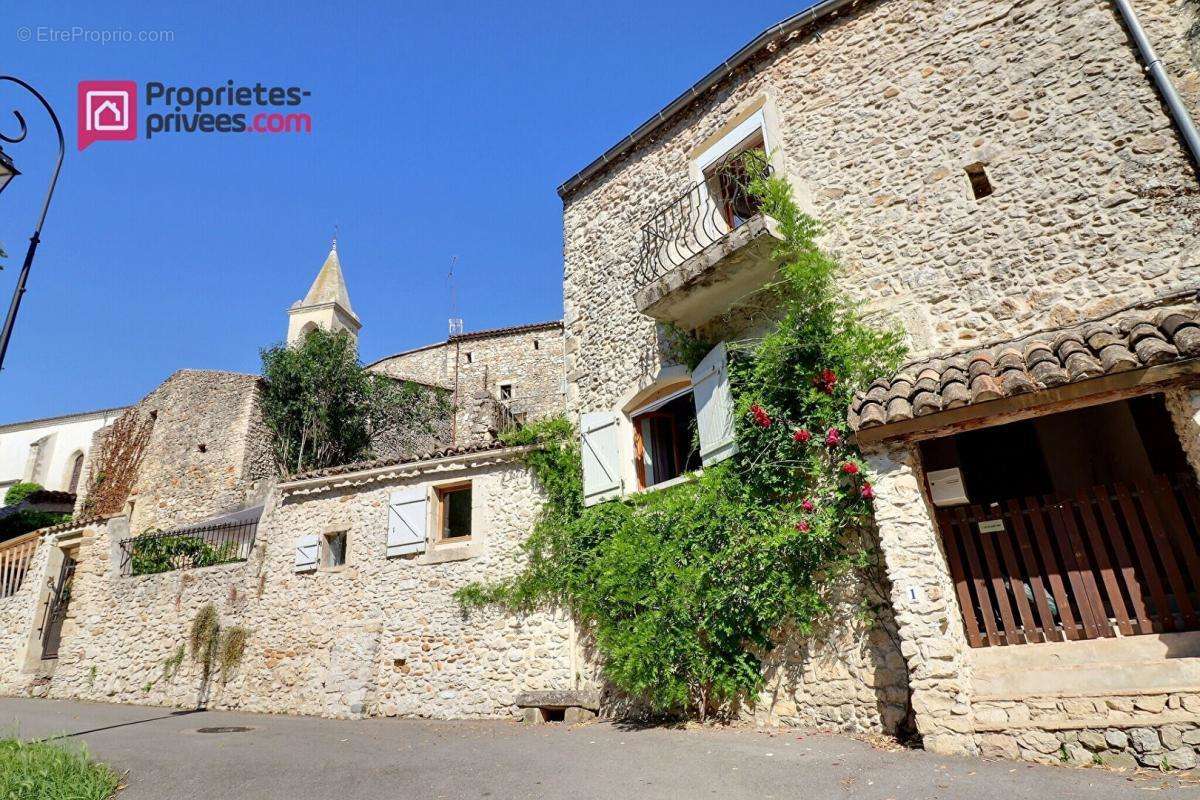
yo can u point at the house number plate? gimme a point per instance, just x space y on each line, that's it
991 526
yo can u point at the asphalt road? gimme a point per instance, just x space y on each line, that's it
305 758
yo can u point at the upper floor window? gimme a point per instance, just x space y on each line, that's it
76 466
665 438
726 177
506 391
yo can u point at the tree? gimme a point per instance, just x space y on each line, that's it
323 408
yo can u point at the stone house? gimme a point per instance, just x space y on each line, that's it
1004 182
344 577
49 451
518 369
997 178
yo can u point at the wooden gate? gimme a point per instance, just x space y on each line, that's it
56 608
1122 559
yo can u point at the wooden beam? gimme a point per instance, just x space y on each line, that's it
1094 391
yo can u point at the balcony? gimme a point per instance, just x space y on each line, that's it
705 252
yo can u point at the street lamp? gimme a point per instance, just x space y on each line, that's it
7 171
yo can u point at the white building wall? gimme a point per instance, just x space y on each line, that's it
61 438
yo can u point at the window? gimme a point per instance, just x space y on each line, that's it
467 356
666 438
76 471
981 187
536 346
454 513
506 391
333 549
726 179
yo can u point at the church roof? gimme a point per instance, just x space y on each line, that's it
330 285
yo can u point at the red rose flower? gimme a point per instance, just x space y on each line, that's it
825 381
850 468
807 505
803 526
833 438
802 436
760 415
868 492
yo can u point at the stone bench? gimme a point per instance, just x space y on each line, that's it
559 705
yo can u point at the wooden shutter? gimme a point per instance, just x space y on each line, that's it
407 520
308 552
601 457
714 406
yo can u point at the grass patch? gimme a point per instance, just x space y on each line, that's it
40 771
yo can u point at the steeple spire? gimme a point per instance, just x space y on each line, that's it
327 303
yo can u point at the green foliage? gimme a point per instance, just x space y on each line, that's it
19 491
203 637
323 408
42 771
213 647
171 664
152 554
231 650
682 590
26 521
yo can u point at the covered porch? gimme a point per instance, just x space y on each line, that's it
1040 517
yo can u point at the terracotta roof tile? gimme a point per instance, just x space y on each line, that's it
1029 364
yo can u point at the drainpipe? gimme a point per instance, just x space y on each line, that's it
1162 81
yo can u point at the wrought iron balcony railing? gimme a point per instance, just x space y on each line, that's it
703 215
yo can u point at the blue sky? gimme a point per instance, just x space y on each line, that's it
439 129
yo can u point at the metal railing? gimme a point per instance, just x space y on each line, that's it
189 548
15 558
701 216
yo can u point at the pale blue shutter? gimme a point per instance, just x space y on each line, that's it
714 406
601 457
407 515
308 552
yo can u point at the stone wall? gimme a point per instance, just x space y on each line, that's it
377 636
847 674
878 117
1158 730
474 365
19 616
208 450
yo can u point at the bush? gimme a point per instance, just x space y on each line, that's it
41 771
19 491
683 590
324 408
151 554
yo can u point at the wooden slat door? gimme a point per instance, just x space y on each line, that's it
1099 562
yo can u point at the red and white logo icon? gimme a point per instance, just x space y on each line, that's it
107 112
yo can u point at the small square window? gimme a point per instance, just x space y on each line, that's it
506 391
333 549
981 187
454 513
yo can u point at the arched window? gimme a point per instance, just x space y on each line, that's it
76 467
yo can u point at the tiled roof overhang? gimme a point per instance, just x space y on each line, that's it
1133 351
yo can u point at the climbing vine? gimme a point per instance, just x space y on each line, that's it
682 591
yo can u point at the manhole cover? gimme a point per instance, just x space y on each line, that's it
225 729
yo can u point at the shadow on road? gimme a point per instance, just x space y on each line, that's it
172 715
